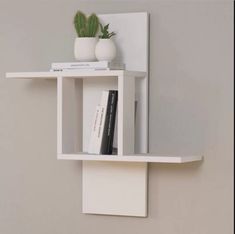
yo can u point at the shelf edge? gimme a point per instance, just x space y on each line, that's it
74 74
131 158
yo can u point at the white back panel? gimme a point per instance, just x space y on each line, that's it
119 188
131 39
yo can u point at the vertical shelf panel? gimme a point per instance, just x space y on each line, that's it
141 121
126 115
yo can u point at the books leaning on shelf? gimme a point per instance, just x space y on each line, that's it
87 66
102 132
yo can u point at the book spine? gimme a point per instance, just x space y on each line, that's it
115 143
108 135
111 122
105 132
103 104
88 65
94 130
73 69
84 69
99 64
100 131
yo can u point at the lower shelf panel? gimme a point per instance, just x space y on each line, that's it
131 158
114 188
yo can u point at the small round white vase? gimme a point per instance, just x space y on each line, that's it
105 50
84 49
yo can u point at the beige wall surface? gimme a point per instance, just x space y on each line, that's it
191 90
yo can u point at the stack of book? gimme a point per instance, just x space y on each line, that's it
87 66
103 126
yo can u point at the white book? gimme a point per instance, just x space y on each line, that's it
104 105
97 135
84 69
94 130
86 65
74 69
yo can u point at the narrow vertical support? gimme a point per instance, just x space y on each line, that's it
141 135
59 116
126 115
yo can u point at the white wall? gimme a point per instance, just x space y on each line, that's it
191 90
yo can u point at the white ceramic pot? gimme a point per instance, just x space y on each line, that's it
84 49
105 50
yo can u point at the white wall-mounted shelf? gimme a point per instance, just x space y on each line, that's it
144 157
112 184
74 74
153 158
150 158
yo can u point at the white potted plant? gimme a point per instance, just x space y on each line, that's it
105 49
85 43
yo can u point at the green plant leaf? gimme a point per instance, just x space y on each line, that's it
104 32
79 22
106 27
92 25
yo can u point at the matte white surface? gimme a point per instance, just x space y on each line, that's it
115 188
131 39
74 74
132 158
126 115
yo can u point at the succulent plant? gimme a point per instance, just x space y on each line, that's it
105 33
86 27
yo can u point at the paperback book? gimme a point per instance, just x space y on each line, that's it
93 66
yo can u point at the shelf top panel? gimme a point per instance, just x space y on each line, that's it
74 74
131 158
